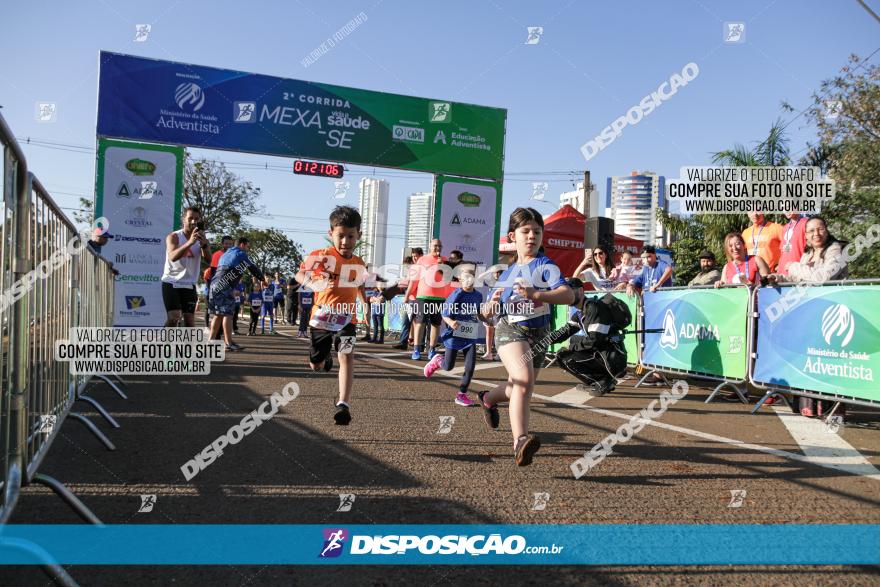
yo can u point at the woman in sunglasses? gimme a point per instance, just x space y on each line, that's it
598 270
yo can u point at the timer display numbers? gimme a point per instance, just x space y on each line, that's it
315 168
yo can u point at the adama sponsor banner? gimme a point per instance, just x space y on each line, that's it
467 217
139 188
825 339
703 330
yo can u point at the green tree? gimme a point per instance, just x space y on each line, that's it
846 111
271 250
224 198
693 233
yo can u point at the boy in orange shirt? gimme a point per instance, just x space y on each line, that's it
336 275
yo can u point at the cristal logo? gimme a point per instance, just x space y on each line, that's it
334 538
837 321
191 94
669 338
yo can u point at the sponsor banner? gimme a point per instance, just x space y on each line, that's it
215 108
467 217
430 544
823 338
704 330
138 189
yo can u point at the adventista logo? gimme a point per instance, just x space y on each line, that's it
669 338
838 321
334 539
189 93
134 302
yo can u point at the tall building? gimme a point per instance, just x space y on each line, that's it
633 201
576 200
373 205
419 221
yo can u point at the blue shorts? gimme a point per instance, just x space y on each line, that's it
222 303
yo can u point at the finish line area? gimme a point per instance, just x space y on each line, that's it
707 464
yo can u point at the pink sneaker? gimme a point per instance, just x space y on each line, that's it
433 365
462 399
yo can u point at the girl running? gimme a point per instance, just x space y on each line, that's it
460 333
522 303
268 309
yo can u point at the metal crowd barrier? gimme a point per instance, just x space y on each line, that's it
779 388
38 392
737 384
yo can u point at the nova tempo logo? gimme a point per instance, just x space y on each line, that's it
837 321
134 302
190 94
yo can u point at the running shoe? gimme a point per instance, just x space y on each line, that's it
462 399
234 347
490 413
328 364
342 416
433 365
401 347
526 447
432 353
417 355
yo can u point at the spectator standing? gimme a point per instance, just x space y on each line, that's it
763 239
794 241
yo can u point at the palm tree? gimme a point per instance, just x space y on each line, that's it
771 152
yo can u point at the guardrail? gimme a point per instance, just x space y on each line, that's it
51 282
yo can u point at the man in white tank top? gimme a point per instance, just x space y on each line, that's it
184 250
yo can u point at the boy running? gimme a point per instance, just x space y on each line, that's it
336 275
268 309
306 299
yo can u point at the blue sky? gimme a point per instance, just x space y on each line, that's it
593 62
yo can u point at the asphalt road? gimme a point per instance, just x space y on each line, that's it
292 469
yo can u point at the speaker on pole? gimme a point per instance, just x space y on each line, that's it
600 233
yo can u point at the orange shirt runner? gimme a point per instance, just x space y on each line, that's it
345 277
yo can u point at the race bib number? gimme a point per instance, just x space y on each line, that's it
267 297
523 310
256 304
466 330
327 320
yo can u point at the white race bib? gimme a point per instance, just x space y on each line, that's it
256 304
522 310
466 330
327 320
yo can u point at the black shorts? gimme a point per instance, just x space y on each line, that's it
325 340
179 298
428 312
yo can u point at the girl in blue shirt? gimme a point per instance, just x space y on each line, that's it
255 303
460 333
268 309
526 290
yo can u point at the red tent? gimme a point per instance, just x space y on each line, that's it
564 240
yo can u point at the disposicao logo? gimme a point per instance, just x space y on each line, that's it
838 321
140 166
468 199
134 302
334 538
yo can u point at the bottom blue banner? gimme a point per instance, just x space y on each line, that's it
857 544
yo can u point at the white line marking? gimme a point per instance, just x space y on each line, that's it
696 433
573 395
825 448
